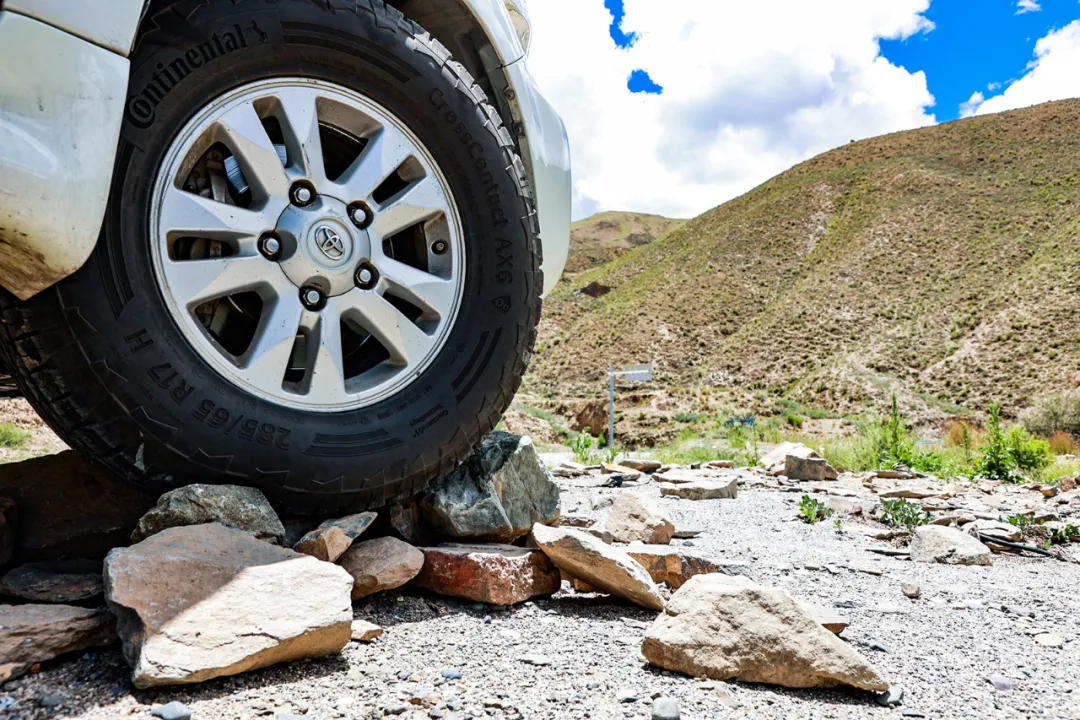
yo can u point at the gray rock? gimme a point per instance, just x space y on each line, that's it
174 710
1002 683
626 695
893 696
936 543
911 590
58 581
496 495
665 708
804 468
718 489
233 506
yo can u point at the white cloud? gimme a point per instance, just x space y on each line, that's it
1026 6
750 89
1052 75
969 108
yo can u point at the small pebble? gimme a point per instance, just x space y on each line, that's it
450 673
1002 683
626 695
175 710
665 708
51 700
911 590
893 696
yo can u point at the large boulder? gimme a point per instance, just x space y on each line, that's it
496 495
36 633
671 565
729 628
937 543
718 489
58 581
69 508
234 506
634 517
203 601
381 564
331 539
495 574
601 566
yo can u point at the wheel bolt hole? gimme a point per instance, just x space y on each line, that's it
439 247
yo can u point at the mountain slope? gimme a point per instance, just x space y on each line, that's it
943 263
604 237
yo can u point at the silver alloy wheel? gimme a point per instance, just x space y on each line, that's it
361 236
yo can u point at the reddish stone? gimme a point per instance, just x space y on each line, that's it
495 574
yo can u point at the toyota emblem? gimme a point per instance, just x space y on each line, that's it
329 242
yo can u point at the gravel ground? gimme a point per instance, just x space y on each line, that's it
942 648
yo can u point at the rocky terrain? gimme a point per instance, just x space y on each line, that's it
939 263
631 590
599 239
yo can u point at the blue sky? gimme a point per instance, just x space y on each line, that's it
974 45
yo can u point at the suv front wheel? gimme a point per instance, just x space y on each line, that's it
318 274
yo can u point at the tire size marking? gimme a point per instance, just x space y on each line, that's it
250 429
164 375
425 421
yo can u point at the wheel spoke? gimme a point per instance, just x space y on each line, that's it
434 295
268 357
384 154
405 342
417 203
326 381
193 282
302 132
246 137
185 213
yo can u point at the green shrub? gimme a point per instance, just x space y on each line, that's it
1053 413
582 447
812 510
793 420
901 513
1023 523
997 462
689 417
1028 453
12 436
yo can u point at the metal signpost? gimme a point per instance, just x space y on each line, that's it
633 373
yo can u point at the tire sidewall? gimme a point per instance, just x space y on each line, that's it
190 418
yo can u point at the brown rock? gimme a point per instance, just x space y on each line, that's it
59 581
604 567
69 508
204 601
616 469
808 468
35 633
13 671
719 489
381 564
666 564
364 631
636 518
1067 484
494 574
331 539
721 464
644 466
728 628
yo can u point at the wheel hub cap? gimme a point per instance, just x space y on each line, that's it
321 246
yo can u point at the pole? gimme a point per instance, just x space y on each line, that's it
611 408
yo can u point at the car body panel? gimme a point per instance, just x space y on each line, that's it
61 103
63 82
110 24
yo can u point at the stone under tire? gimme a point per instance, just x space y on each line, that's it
104 363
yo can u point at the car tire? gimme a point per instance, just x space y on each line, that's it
104 359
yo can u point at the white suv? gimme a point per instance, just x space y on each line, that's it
289 244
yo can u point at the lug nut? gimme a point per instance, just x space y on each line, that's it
270 247
302 195
311 298
367 277
439 247
359 216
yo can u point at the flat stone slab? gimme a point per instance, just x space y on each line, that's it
494 574
727 489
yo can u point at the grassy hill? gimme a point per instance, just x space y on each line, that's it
941 263
604 237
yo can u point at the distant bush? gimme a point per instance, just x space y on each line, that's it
12 436
1062 443
1054 413
793 420
582 447
689 417
1029 454
997 462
